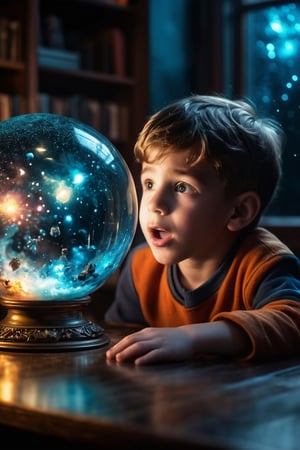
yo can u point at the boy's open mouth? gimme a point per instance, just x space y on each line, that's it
160 236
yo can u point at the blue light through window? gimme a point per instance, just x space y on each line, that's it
272 81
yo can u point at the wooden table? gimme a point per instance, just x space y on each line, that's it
75 399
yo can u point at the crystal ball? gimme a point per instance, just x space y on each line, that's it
68 208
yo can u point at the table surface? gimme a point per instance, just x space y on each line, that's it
79 397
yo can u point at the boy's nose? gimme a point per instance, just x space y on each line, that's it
159 203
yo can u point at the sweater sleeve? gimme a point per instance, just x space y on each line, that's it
125 307
274 329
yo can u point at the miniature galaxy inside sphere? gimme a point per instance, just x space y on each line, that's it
68 208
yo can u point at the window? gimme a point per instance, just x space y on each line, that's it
266 45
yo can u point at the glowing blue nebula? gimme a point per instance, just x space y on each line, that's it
68 208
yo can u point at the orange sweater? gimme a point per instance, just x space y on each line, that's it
257 287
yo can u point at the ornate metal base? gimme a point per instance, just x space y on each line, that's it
42 325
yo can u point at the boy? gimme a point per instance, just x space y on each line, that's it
208 280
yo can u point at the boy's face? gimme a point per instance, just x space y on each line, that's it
183 211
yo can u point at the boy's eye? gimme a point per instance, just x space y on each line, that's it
148 184
184 187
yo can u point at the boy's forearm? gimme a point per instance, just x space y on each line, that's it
223 338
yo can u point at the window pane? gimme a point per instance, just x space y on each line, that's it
272 81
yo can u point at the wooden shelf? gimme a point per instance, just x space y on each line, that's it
11 65
87 33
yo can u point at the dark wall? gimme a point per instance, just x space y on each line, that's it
171 51
185 49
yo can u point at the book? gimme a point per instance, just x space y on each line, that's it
60 105
16 104
53 31
44 103
122 2
3 37
58 58
118 51
103 51
75 101
94 113
5 106
124 122
87 52
14 41
113 130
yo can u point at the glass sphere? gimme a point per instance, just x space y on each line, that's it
68 208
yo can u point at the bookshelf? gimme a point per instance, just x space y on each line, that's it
83 58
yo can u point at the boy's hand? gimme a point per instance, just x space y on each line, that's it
153 345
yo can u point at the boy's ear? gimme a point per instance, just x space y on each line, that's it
247 206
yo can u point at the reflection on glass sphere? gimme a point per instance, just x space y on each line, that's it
68 208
